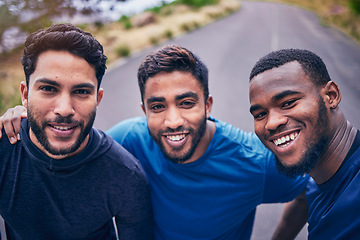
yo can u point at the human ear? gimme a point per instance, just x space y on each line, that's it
143 107
333 95
100 95
24 93
209 103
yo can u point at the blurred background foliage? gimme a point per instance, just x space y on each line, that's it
18 18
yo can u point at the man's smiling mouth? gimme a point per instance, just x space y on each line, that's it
285 140
62 128
176 137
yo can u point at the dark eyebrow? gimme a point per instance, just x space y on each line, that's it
186 95
155 99
55 83
254 108
48 81
84 85
283 94
275 98
177 98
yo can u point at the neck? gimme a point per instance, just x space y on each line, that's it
335 154
204 142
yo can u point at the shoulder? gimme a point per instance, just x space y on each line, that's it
128 128
246 142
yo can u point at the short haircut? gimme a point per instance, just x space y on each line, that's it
172 58
64 37
311 64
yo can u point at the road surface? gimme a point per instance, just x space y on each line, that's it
230 47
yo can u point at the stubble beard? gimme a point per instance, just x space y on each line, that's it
314 151
177 158
39 132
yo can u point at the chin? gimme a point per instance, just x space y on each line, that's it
293 170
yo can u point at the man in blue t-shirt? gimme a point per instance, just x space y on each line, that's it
207 177
297 116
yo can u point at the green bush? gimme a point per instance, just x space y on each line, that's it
99 24
126 21
123 51
155 9
186 27
168 34
197 3
355 6
154 40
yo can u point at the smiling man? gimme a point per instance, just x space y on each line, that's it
65 179
297 116
53 96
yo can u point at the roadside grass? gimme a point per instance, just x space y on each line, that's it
342 14
120 39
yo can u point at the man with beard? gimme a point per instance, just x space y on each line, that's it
207 177
297 116
65 179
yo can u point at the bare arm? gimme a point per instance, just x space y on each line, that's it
293 218
11 122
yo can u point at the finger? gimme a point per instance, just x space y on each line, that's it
19 113
1 127
8 125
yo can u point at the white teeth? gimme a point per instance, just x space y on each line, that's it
292 136
176 137
285 139
62 128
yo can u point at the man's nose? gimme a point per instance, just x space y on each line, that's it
64 105
173 118
274 120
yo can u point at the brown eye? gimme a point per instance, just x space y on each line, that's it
259 116
157 107
290 103
187 104
47 89
82 92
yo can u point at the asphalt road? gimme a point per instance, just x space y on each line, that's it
230 47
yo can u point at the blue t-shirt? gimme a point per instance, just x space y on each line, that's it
334 207
214 197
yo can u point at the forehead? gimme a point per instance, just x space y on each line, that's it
289 76
168 85
63 67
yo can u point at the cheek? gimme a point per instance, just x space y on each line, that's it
84 108
154 123
38 109
259 129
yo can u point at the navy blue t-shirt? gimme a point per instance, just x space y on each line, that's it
334 207
75 197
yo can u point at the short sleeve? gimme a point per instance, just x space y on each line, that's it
278 187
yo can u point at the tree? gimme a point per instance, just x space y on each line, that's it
31 15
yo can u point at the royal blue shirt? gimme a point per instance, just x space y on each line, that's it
214 197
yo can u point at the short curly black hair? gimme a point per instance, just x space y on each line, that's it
172 58
312 64
63 37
